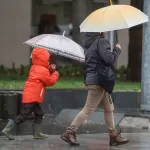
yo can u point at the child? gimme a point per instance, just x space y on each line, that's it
40 76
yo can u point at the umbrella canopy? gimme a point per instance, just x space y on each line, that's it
113 17
59 45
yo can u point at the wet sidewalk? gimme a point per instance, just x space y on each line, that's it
138 141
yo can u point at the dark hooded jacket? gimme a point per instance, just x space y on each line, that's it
99 61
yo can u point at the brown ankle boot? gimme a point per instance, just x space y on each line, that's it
69 136
116 139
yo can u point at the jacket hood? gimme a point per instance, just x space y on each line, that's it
89 37
40 56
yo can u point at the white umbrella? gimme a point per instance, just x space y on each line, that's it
58 44
113 17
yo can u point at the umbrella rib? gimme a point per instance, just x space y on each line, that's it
89 17
55 48
105 13
35 42
73 43
63 53
122 15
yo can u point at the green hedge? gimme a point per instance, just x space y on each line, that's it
70 70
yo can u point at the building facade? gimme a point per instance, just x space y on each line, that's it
20 21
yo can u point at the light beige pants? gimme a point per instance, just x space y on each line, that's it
96 95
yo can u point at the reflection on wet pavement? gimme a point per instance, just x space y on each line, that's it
139 138
138 141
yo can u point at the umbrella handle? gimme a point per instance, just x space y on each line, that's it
116 36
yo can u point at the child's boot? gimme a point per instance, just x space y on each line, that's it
37 134
7 130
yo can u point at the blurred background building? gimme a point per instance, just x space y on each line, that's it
23 19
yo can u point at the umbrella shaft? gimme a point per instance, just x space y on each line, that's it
116 36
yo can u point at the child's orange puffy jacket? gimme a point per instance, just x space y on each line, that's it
39 77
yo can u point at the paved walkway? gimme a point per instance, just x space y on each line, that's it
138 141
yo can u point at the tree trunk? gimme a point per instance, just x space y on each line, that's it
81 9
135 47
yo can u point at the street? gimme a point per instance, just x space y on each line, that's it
138 141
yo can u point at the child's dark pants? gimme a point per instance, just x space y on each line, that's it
26 110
